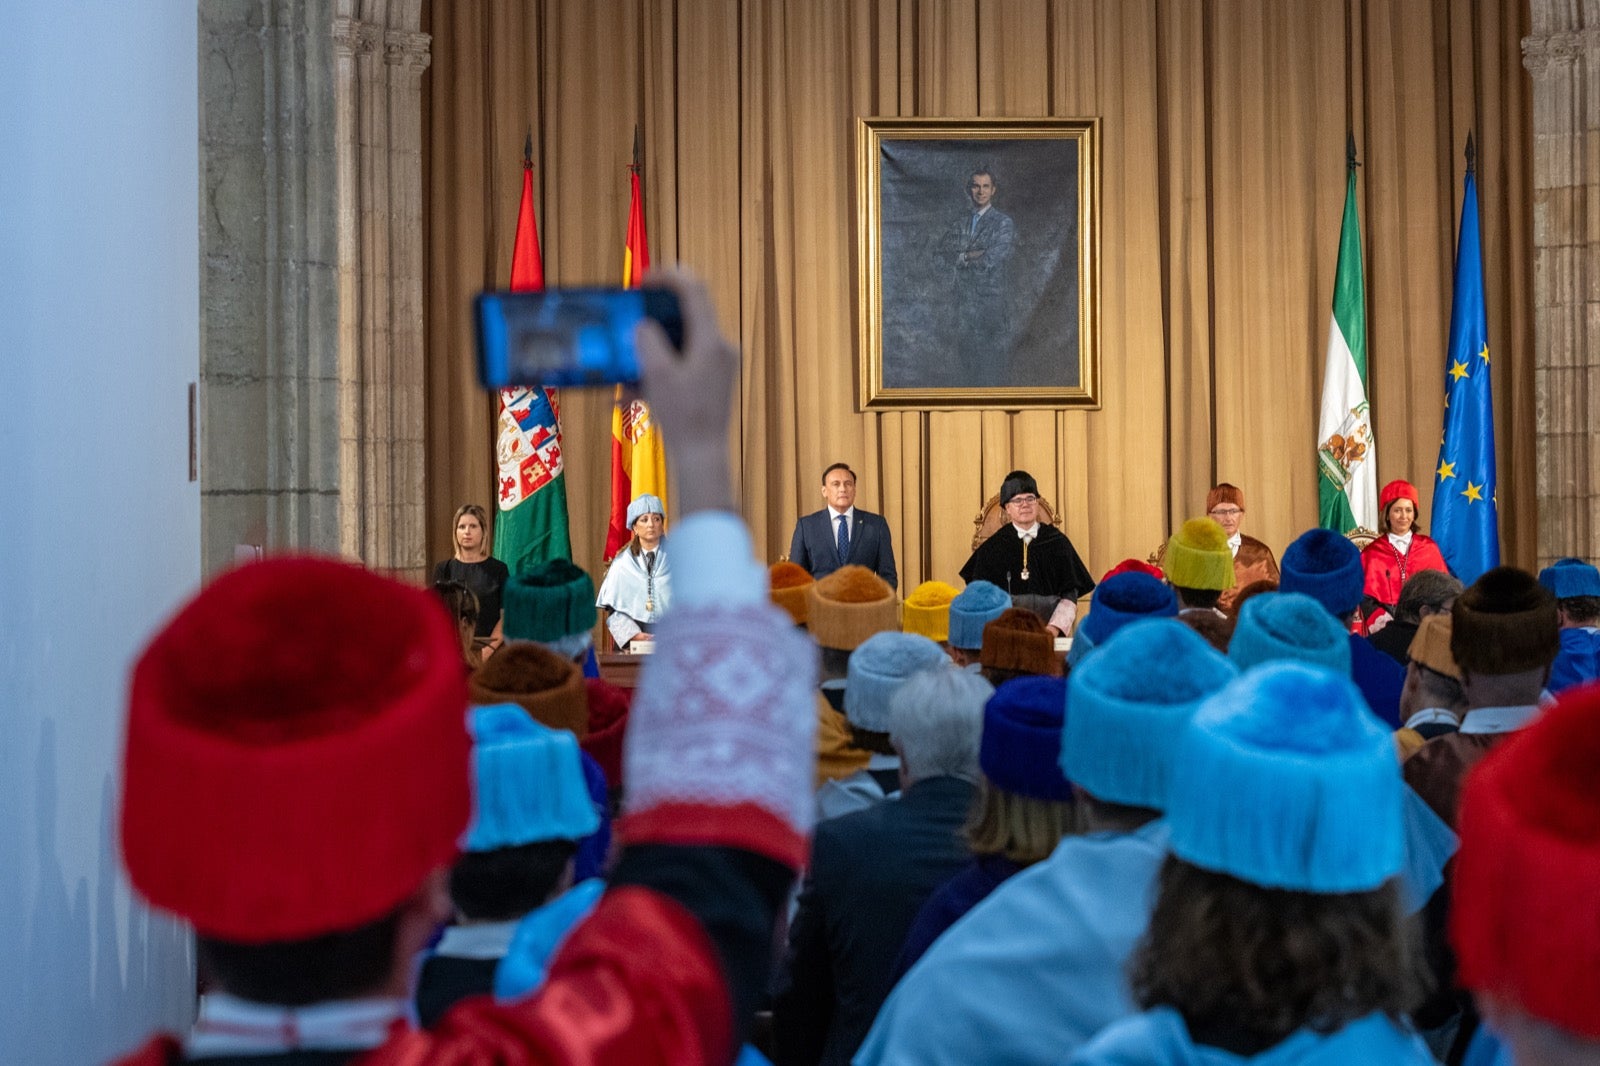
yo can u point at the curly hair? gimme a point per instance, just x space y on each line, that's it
1226 953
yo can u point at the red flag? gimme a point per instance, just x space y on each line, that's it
527 266
531 487
638 461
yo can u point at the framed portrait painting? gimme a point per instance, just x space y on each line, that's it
979 262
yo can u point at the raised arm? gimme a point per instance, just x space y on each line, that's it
671 964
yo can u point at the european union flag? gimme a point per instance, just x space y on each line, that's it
1465 505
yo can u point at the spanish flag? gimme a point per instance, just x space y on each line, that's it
638 463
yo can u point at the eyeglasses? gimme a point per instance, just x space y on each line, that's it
1023 499
1227 512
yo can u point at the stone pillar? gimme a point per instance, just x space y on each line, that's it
311 280
269 474
1563 55
378 159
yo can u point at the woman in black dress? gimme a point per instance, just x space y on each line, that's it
479 571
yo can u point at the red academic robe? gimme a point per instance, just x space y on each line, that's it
1386 569
638 982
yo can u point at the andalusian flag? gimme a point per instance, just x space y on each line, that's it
1465 501
638 462
1347 462
530 483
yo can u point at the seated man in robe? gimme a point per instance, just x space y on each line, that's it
1252 560
1033 562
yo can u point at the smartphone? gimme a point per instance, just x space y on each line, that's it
563 338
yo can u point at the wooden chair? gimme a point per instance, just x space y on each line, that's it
993 516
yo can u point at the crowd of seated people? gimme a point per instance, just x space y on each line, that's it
1234 823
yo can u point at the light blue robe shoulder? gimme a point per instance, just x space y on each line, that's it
1034 970
1159 1038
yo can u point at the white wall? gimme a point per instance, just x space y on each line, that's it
99 525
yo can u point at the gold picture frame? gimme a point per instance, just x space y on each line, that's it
977 294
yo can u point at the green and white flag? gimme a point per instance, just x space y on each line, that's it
1347 462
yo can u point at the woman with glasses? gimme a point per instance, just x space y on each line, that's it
1253 561
1031 560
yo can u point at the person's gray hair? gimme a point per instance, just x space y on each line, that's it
1425 588
936 722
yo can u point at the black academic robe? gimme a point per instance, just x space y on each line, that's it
1054 568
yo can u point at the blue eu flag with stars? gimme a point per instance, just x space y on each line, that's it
1465 504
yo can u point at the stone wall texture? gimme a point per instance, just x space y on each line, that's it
1562 55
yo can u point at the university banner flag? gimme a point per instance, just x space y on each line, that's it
1347 494
638 462
1465 502
530 482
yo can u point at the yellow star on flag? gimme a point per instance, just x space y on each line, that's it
1484 355
1458 371
1446 470
1473 493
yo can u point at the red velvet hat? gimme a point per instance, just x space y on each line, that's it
297 754
1527 879
1135 566
1398 489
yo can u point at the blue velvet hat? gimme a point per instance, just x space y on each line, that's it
878 667
527 782
1021 749
1285 779
1130 701
1289 625
1325 566
1567 578
646 503
978 604
1125 598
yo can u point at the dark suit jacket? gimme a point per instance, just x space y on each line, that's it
814 545
870 874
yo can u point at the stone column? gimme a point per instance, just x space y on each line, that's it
378 160
1563 55
269 473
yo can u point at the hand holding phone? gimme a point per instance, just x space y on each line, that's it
565 338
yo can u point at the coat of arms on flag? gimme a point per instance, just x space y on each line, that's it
529 445
635 421
1347 447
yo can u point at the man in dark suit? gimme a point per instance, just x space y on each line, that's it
871 871
839 534
983 239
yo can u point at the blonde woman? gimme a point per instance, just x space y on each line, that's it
474 567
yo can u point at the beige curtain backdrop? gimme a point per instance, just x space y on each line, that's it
1223 179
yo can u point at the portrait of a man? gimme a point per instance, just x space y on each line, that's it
978 262
983 241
